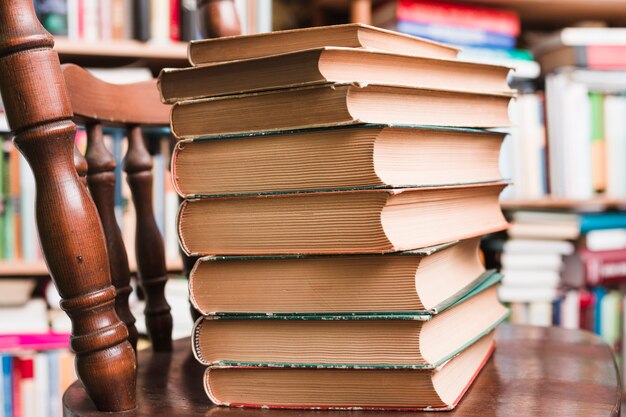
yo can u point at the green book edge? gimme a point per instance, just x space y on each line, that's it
480 284
340 127
420 252
428 366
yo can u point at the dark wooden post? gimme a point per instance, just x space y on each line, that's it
101 181
40 114
149 248
218 18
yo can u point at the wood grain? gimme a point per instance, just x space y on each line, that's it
101 181
149 247
114 104
39 112
535 372
219 18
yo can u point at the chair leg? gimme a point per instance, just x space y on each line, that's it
149 246
101 181
39 111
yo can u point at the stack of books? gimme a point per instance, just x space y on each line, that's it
337 181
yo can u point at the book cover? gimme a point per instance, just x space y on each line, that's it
368 379
6 362
456 35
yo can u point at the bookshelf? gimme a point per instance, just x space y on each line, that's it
589 205
534 13
115 53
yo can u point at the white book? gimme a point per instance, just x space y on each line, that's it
519 313
570 310
160 21
615 137
91 21
33 318
610 318
531 148
530 279
531 246
72 20
608 239
540 313
533 261
554 231
526 295
42 385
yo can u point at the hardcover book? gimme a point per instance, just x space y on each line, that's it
371 388
419 338
337 104
426 280
329 65
373 156
354 35
365 221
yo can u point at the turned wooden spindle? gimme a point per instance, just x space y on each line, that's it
101 181
218 18
80 163
149 248
39 112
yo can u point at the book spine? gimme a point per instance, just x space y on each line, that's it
188 20
604 57
9 212
440 13
3 203
17 387
6 361
42 383
456 35
53 16
27 386
141 20
159 21
175 20
54 386
91 21
598 143
118 19
105 19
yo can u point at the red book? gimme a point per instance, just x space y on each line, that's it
597 267
448 14
175 20
17 387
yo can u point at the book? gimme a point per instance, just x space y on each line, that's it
6 363
519 60
376 339
448 14
365 221
422 280
532 261
526 295
35 341
53 15
339 104
379 156
598 142
514 278
614 132
593 48
396 388
538 246
16 291
354 35
329 65
455 35
596 267
607 239
141 20
188 20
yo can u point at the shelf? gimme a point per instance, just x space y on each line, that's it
548 14
122 52
592 205
38 268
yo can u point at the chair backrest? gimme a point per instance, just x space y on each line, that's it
39 110
95 104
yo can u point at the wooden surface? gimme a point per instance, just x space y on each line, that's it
39 112
534 372
117 53
548 14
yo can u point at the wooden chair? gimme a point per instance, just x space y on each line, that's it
534 372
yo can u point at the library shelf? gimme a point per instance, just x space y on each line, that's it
590 205
535 13
117 53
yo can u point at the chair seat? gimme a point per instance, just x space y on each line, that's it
535 371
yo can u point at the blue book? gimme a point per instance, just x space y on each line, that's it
457 35
600 221
598 294
7 384
53 385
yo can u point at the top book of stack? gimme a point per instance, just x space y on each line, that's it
361 74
